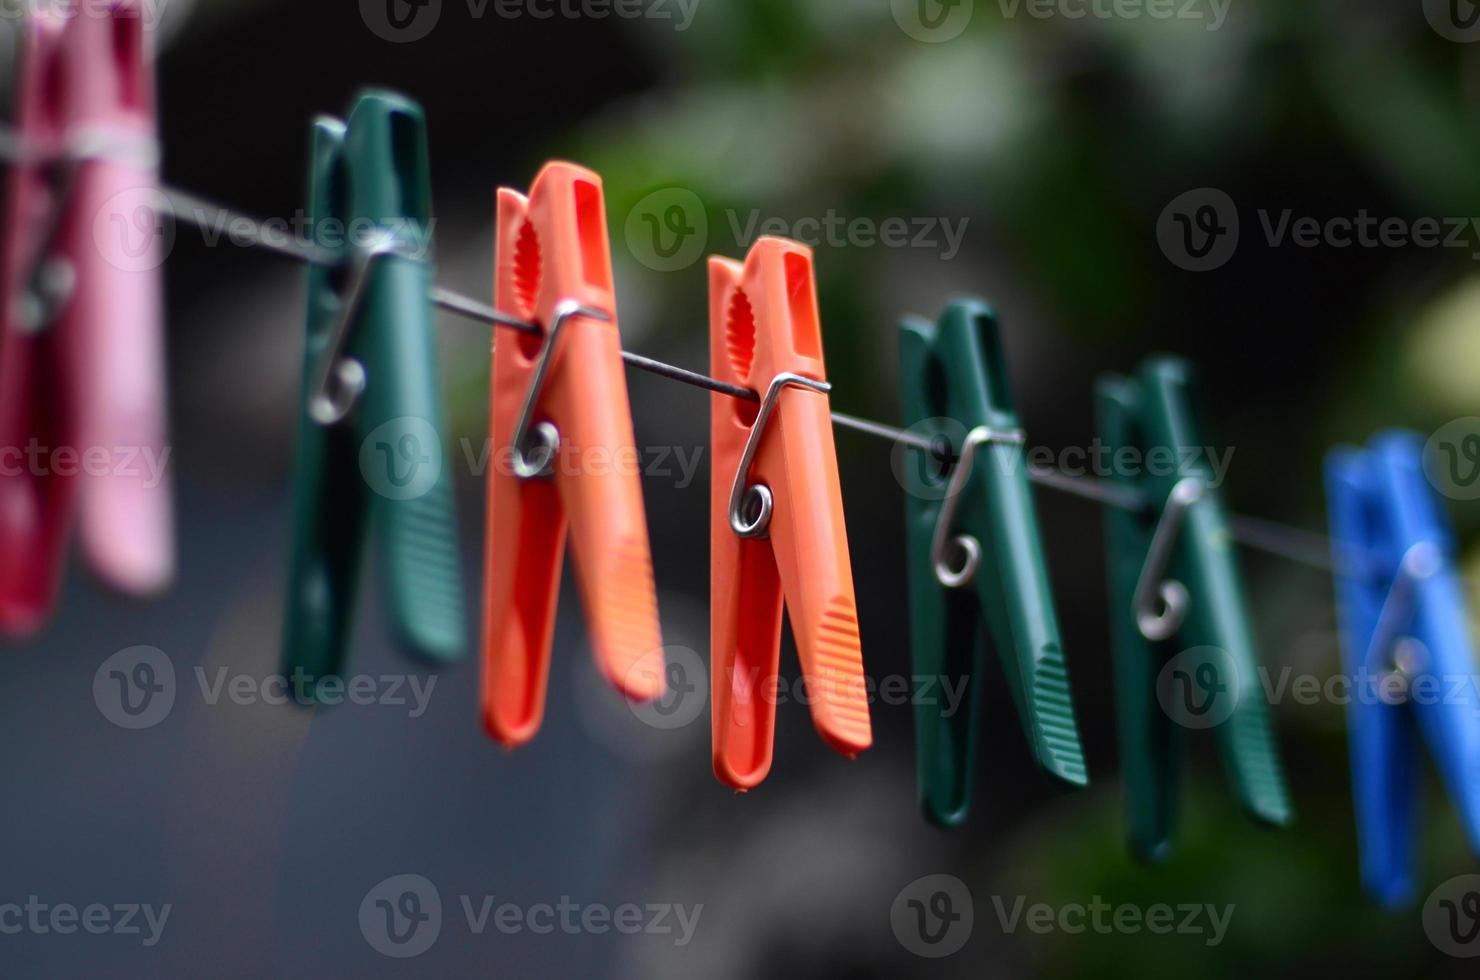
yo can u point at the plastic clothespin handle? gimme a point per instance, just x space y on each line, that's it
82 367
400 418
1155 412
35 508
763 322
553 247
1150 751
115 318
383 463
330 497
1381 505
954 380
1205 561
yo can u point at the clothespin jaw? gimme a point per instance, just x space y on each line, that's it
989 576
330 499
81 358
1139 420
371 429
1406 649
565 455
777 534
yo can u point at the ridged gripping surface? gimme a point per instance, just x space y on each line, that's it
527 268
1256 762
426 582
627 607
837 673
740 335
1053 718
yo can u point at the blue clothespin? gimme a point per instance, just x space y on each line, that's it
1406 650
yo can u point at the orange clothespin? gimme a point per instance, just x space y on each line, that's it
776 525
563 452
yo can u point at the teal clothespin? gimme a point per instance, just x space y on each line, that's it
371 433
975 561
1181 641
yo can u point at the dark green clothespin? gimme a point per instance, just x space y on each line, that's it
371 434
975 561
1182 646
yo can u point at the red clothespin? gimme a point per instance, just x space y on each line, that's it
776 525
82 407
564 451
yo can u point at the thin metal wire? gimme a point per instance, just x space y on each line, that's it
676 373
338 380
1283 541
197 211
1153 586
968 546
1420 562
884 431
472 309
1292 543
751 503
208 216
528 465
1100 491
1297 545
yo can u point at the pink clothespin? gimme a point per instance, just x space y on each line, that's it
82 404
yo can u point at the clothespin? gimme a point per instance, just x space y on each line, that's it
370 433
1406 651
1175 592
81 332
776 527
562 428
975 561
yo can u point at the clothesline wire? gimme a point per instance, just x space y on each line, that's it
1292 543
1297 545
